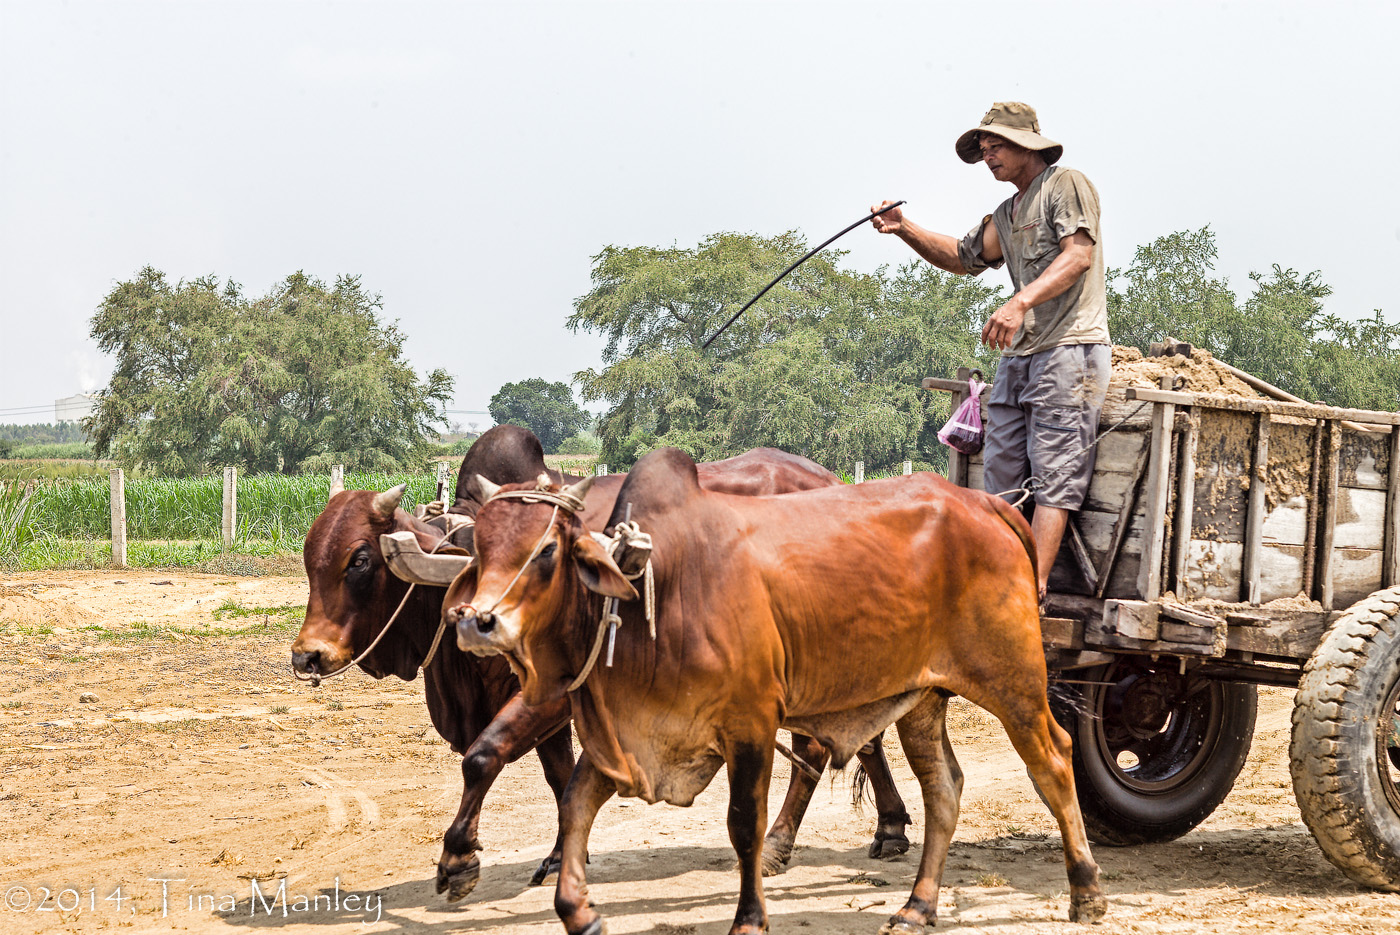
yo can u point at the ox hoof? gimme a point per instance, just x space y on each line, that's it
1087 909
888 845
596 927
774 862
898 926
546 872
458 883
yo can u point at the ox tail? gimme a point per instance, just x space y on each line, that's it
1012 517
860 783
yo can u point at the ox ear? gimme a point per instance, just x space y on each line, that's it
598 572
481 489
387 502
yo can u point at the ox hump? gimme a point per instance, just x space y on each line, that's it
662 480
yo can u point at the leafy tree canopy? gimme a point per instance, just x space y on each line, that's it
42 433
300 379
1281 333
826 365
547 409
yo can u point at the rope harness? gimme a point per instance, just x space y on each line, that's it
624 532
627 533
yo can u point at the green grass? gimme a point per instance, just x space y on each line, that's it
141 631
235 610
245 558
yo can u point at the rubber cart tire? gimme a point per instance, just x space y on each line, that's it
1345 754
1154 752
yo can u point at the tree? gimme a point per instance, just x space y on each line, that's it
826 365
300 379
1281 333
547 409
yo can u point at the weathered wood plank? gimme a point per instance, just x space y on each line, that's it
1185 505
1155 498
1213 569
1360 520
1291 635
1287 523
973 478
1223 463
1281 571
1355 574
1245 404
1365 460
1061 632
1254 521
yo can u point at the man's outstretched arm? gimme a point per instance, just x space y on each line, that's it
939 249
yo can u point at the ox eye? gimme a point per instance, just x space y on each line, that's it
547 553
360 561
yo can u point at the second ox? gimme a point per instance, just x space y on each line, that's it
834 612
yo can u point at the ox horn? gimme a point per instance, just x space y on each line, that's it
336 487
387 502
579 490
481 488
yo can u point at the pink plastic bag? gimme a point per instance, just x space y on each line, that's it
963 432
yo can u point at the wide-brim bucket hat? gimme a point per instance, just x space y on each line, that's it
1013 121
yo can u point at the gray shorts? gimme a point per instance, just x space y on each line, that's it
1044 409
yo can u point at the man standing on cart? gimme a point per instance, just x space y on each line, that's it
1053 332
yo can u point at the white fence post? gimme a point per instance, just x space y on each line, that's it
118 479
601 470
442 470
230 523
860 472
908 468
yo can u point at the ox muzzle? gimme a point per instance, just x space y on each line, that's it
408 562
482 632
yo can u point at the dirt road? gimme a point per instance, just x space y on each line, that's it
202 763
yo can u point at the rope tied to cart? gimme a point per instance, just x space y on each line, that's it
1036 482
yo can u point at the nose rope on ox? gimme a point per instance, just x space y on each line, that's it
485 616
316 678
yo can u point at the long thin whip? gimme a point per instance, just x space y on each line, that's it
807 256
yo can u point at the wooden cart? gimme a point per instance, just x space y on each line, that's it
1229 542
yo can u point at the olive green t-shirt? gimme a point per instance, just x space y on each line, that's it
1059 202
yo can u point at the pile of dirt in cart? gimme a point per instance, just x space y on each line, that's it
1201 372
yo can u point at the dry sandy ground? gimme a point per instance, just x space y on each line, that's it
203 763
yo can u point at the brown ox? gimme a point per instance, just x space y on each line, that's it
474 703
834 612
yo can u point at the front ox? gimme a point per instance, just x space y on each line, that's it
834 611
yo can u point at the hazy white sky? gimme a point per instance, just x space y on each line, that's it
467 159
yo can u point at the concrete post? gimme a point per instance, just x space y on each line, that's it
230 519
118 480
442 472
860 472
